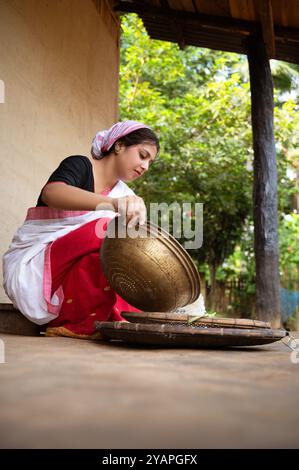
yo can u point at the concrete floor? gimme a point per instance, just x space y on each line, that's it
66 393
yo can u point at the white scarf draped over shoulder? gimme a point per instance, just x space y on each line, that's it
26 269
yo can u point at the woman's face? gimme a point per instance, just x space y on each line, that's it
134 161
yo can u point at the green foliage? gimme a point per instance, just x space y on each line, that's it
241 265
289 249
286 124
286 78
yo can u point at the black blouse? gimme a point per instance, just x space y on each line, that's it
75 171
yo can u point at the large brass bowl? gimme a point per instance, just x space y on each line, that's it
152 272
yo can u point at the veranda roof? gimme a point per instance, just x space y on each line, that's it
221 24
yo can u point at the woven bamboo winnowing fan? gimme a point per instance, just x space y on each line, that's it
175 318
204 333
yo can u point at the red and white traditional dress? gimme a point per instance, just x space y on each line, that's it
52 271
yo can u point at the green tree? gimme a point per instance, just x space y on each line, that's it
286 78
289 252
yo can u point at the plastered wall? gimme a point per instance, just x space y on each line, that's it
59 71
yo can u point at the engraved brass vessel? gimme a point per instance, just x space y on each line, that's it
152 271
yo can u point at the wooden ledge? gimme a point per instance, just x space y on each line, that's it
13 322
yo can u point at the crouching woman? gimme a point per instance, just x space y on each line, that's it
52 271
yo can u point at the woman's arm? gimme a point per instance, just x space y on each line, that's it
67 197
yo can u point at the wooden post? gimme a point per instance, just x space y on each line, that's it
265 184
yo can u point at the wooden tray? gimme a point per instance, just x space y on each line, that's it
188 336
184 319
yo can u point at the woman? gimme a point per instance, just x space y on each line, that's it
52 271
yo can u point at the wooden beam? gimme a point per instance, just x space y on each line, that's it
265 183
177 28
195 6
197 19
201 21
286 34
214 32
266 17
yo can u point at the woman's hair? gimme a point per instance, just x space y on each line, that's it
143 135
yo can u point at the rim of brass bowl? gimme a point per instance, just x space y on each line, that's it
182 261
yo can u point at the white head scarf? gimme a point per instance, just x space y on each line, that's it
104 140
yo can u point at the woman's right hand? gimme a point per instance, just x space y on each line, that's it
132 208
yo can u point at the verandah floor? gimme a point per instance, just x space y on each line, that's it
65 393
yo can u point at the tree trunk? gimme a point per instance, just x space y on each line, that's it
213 291
296 196
203 285
265 184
